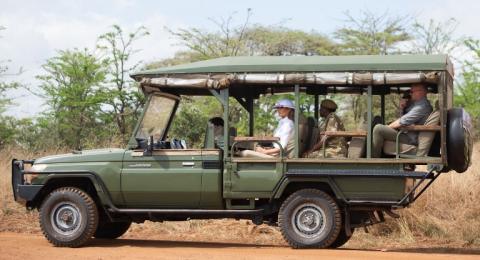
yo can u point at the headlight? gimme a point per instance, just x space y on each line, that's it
38 167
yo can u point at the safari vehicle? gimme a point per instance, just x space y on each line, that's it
317 203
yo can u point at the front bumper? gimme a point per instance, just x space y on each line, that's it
22 192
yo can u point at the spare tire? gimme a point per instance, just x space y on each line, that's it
459 139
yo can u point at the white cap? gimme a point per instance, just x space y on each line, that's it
284 103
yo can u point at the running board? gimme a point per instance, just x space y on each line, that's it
188 211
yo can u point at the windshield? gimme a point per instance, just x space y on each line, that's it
156 117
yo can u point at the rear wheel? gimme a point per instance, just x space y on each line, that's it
310 218
111 230
68 217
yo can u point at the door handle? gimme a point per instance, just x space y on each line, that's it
188 163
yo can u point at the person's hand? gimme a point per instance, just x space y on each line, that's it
259 149
305 154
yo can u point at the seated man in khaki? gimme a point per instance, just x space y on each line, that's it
416 114
335 147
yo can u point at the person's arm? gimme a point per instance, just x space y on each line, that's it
284 131
267 151
414 115
317 146
330 125
395 124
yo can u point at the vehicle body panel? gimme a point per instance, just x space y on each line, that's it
171 179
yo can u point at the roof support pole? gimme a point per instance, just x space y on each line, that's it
315 112
296 121
382 107
218 95
226 126
250 116
247 104
369 122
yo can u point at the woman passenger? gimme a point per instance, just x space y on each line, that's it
284 131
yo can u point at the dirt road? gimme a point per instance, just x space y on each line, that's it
24 246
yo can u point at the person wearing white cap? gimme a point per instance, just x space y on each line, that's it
284 131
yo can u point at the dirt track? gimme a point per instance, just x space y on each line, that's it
23 246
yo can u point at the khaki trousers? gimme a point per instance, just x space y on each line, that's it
382 133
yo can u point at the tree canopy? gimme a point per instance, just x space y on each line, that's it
92 101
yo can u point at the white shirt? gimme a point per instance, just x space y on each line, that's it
283 131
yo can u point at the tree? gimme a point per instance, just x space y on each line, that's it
281 41
468 90
435 37
7 123
372 34
122 96
71 87
245 39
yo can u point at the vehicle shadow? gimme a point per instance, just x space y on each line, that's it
169 244
423 250
440 250
152 243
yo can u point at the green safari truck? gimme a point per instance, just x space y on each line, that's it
316 202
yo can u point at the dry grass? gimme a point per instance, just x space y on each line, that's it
447 215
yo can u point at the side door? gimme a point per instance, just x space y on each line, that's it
257 178
166 179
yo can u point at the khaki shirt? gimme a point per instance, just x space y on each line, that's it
334 146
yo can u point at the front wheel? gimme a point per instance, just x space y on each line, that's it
68 217
310 218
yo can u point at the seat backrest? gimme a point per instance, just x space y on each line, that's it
356 147
313 133
311 124
425 139
209 142
303 133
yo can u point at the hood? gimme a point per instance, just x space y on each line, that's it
98 155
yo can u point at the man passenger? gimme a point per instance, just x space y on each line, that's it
416 114
335 147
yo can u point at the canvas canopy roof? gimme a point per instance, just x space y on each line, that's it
360 70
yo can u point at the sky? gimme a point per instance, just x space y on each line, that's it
36 30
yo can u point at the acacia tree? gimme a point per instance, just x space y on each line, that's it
122 95
372 34
71 87
435 37
7 123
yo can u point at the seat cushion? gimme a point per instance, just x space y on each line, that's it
389 148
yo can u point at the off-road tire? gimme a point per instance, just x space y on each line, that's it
305 205
459 141
111 230
342 238
68 217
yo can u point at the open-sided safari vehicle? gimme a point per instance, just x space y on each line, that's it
316 202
